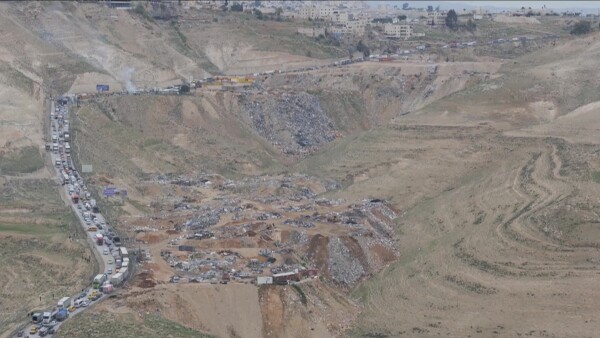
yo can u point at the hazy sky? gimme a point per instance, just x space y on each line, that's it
533 4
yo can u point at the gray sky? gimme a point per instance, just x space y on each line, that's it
533 4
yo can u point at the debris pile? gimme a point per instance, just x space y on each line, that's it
294 123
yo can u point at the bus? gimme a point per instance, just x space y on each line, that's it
123 252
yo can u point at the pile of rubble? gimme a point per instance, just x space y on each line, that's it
343 266
296 124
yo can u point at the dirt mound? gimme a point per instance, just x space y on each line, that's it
145 280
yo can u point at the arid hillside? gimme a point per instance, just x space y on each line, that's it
416 197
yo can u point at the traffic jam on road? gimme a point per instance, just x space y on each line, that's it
114 257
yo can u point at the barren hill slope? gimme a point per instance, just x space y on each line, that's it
453 200
498 228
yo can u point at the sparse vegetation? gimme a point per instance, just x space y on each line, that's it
300 293
140 9
25 160
103 324
581 27
451 19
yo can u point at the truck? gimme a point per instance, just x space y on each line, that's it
36 318
94 205
62 314
99 239
123 252
64 303
98 281
67 148
48 317
117 278
75 197
67 136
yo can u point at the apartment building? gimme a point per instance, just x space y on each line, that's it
398 31
436 18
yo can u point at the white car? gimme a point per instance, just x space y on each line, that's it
105 251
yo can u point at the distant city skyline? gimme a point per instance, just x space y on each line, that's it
532 4
585 6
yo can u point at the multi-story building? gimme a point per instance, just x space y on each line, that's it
436 18
308 12
340 16
357 27
316 12
398 31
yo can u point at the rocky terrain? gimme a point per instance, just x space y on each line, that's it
294 123
418 197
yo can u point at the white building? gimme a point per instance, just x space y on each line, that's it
436 18
308 12
357 27
316 12
398 31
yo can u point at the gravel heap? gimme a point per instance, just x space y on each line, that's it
344 268
294 123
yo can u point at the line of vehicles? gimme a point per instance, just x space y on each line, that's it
108 243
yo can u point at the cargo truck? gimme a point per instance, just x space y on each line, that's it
75 197
99 239
48 317
64 303
98 280
94 205
62 314
117 279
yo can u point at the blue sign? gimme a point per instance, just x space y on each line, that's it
101 88
110 191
